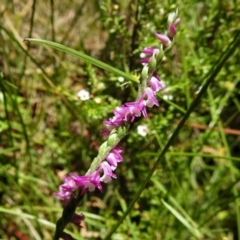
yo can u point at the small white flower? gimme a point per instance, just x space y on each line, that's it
142 55
83 95
121 79
142 130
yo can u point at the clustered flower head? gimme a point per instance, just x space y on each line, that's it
90 182
110 152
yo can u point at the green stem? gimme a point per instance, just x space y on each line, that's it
68 212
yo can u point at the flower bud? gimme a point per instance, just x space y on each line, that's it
160 54
172 28
172 16
103 148
165 40
122 131
113 138
152 64
144 73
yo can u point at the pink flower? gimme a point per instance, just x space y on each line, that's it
145 60
155 83
122 112
136 109
149 52
113 122
107 172
114 157
172 29
77 218
90 182
151 99
126 114
164 39
66 189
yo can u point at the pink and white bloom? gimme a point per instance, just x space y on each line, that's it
114 157
126 114
149 52
151 99
107 172
172 28
90 182
156 83
165 40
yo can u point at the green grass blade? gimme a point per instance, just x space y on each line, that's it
83 57
19 213
182 219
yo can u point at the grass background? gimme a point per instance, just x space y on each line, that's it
46 131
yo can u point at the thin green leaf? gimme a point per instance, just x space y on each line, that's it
19 213
84 57
183 220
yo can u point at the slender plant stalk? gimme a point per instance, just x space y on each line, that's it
52 20
26 56
67 214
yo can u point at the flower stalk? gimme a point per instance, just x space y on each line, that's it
117 127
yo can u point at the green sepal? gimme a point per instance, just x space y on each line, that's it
144 73
152 64
160 54
122 131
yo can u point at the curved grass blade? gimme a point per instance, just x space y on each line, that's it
84 57
17 212
183 220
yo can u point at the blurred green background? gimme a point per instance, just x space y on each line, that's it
47 131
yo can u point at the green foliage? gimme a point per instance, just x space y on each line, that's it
48 132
